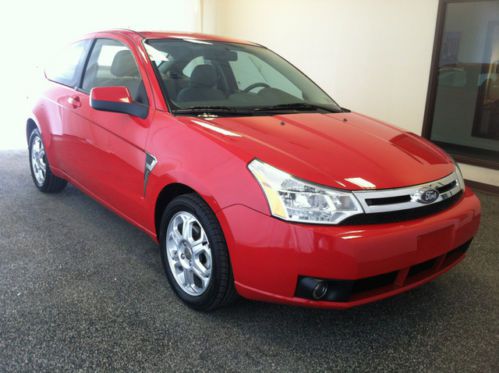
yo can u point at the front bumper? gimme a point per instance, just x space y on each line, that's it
270 256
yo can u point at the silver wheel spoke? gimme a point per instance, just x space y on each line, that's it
204 278
42 162
188 277
175 236
202 256
187 228
201 270
200 248
200 241
173 254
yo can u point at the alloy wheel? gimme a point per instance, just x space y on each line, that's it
38 160
189 254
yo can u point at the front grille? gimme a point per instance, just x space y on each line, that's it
351 290
447 187
422 267
402 215
455 254
381 201
405 203
387 200
375 282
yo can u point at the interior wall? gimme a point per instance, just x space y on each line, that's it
33 30
480 174
371 56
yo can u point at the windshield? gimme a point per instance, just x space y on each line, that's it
226 78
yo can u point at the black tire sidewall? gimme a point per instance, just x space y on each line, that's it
217 245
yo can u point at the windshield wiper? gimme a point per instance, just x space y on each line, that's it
213 110
228 111
296 107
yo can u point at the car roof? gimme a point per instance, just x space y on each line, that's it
170 35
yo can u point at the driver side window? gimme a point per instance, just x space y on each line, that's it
249 70
112 63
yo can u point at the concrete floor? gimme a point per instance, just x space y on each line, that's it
82 289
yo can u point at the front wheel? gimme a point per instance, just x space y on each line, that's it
194 254
43 177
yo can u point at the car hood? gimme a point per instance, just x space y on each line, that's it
344 150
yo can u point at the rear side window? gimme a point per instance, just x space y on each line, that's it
65 67
111 63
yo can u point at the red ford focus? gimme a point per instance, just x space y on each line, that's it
251 178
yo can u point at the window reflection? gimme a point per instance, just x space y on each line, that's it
466 112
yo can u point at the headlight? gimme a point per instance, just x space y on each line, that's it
460 177
299 201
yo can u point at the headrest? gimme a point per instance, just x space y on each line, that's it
204 75
124 64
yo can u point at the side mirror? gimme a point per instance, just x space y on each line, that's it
117 100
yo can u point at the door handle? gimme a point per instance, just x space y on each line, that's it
74 101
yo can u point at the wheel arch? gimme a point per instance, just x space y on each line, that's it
165 196
31 124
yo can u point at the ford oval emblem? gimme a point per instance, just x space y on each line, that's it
427 195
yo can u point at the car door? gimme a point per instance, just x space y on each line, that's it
64 71
111 162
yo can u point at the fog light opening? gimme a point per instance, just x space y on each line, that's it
320 290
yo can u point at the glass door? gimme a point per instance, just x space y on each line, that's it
463 109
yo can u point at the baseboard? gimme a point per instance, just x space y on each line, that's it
482 187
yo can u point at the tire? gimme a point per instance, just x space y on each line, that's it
219 290
42 176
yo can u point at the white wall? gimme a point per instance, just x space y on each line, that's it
481 174
32 30
372 56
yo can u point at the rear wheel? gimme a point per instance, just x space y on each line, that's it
194 254
43 178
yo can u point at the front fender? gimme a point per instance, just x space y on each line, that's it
207 166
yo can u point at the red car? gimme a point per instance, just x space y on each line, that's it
251 178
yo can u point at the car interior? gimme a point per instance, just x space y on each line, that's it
210 76
122 71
